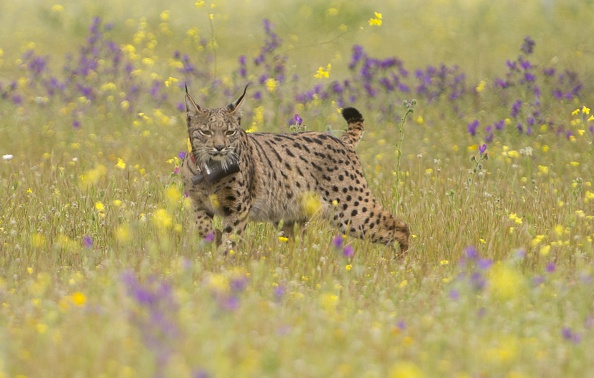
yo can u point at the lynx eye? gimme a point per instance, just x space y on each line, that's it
205 132
231 132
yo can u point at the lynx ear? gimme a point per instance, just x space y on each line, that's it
191 107
232 107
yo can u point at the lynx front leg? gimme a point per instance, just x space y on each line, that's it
233 226
204 225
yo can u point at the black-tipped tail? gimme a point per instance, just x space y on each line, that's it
356 123
352 115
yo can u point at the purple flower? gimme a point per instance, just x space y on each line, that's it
482 148
569 335
472 126
401 325
516 107
484 264
527 45
87 241
182 155
210 237
349 251
279 292
298 120
471 253
551 267
337 241
454 294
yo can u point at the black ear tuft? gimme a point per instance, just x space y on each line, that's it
232 107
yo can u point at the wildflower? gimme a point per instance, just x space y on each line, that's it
121 164
551 267
78 298
37 240
271 84
504 282
329 302
545 250
122 233
481 86
405 369
162 219
527 46
377 20
569 335
348 267
298 120
210 237
7 157
87 241
323 73
311 203
99 206
283 239
471 253
482 149
337 241
472 126
515 218
173 195
348 251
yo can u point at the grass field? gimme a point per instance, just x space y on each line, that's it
479 136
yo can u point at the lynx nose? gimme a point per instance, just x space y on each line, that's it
219 147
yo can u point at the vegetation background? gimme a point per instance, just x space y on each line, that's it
101 273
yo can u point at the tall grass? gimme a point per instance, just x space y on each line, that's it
101 273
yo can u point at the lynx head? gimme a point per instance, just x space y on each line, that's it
214 133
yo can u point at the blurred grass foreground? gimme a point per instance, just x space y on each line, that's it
102 275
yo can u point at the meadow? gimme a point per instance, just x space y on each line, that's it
479 136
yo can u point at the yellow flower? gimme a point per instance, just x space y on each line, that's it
57 8
481 86
348 267
173 195
545 250
515 218
405 369
121 164
122 233
199 4
99 206
585 110
37 240
271 84
377 20
543 169
311 203
283 239
505 282
78 298
323 73
162 219
329 301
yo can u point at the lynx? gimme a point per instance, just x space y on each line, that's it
266 177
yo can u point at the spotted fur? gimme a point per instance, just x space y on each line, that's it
280 176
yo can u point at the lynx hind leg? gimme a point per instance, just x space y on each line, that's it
288 228
377 224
